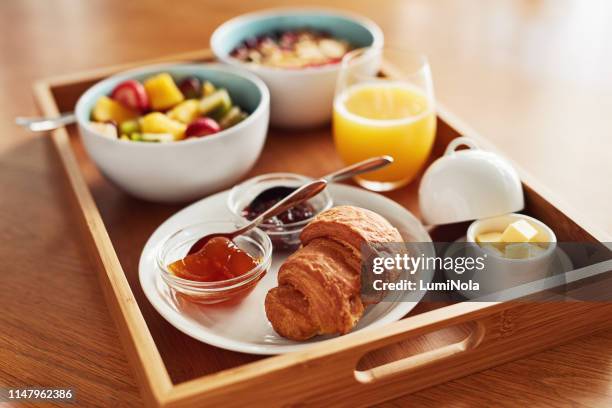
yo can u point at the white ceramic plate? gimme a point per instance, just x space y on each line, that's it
244 327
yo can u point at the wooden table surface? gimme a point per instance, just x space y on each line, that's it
532 76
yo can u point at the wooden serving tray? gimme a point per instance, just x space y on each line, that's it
437 342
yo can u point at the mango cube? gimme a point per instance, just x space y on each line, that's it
163 92
107 109
519 231
208 88
185 112
157 122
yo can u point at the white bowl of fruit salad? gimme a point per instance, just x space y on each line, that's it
172 133
297 53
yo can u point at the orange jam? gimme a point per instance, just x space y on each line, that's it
218 260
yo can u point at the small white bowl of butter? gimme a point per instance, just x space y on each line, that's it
517 249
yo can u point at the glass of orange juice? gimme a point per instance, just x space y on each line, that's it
385 115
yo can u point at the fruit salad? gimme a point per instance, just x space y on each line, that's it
162 110
292 49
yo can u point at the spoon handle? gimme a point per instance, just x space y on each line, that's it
301 194
43 124
373 163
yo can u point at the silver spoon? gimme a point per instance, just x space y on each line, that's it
371 164
269 195
301 194
42 124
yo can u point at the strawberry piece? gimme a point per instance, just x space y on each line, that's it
131 94
202 127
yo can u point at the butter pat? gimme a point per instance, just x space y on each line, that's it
541 238
535 250
517 251
522 251
519 231
494 238
491 249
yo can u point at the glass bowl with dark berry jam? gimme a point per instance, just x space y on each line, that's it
222 270
252 197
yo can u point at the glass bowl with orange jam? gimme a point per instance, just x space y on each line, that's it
222 270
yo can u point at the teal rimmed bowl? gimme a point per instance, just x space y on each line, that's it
299 97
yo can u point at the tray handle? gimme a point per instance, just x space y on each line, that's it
421 360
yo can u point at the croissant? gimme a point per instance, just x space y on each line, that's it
319 285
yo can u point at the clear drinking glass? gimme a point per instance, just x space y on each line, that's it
393 114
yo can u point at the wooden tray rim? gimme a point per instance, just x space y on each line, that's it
141 349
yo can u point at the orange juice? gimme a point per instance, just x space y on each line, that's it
386 117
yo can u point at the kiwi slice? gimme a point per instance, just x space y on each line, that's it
129 127
232 117
136 136
216 105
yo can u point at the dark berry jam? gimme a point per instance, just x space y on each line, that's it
271 196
